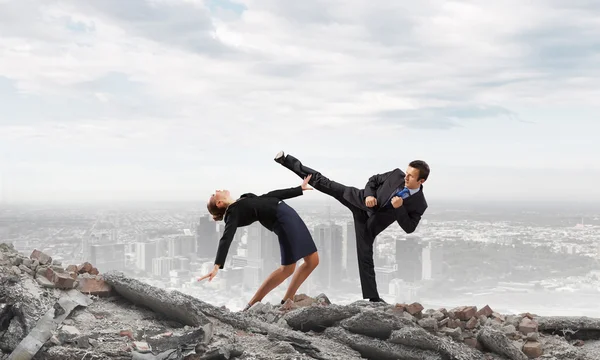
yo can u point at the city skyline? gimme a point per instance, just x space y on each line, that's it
458 254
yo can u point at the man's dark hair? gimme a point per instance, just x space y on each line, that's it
422 167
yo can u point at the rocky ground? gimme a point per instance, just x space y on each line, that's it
51 312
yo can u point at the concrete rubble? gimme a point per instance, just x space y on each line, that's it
48 312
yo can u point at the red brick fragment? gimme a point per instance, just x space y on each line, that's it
86 267
414 308
472 323
474 343
465 312
533 349
527 326
127 333
485 311
94 286
41 257
60 280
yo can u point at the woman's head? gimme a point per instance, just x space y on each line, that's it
218 203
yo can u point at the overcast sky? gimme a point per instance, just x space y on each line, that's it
168 100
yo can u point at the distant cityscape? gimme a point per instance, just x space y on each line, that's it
520 260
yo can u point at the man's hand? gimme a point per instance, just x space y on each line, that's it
211 274
370 201
397 201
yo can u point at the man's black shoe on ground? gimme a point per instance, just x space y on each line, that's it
379 300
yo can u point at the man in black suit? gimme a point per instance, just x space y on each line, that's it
388 197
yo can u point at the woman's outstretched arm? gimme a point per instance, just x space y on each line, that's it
283 194
231 224
289 193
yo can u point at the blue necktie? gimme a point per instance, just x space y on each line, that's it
404 193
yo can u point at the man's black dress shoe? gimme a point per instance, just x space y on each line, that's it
280 157
377 300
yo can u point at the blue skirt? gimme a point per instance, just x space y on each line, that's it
295 241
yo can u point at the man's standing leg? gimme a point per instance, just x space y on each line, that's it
364 240
364 251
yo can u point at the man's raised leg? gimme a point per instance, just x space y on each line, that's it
318 180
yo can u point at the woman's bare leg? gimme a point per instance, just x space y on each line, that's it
310 263
272 281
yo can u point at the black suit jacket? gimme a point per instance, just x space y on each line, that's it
382 186
248 209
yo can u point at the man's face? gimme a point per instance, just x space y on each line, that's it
410 180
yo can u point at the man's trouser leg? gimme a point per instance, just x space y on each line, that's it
318 180
364 251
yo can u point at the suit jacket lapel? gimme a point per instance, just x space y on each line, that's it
389 186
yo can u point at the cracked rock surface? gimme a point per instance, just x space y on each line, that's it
110 316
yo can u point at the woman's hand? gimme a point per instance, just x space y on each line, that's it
211 274
305 183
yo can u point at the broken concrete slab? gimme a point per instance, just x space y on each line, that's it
422 339
225 352
495 340
379 349
375 324
171 304
582 328
318 318
42 332
192 338
315 347
172 354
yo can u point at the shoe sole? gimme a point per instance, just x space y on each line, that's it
279 155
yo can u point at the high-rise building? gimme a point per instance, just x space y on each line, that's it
181 263
252 274
329 240
162 247
351 254
174 245
409 259
188 245
162 266
182 245
432 261
144 253
206 238
108 257
234 276
336 265
404 292
384 276
235 244
260 247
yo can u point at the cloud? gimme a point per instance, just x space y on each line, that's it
185 24
446 117
321 61
224 80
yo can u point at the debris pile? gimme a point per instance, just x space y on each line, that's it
51 313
